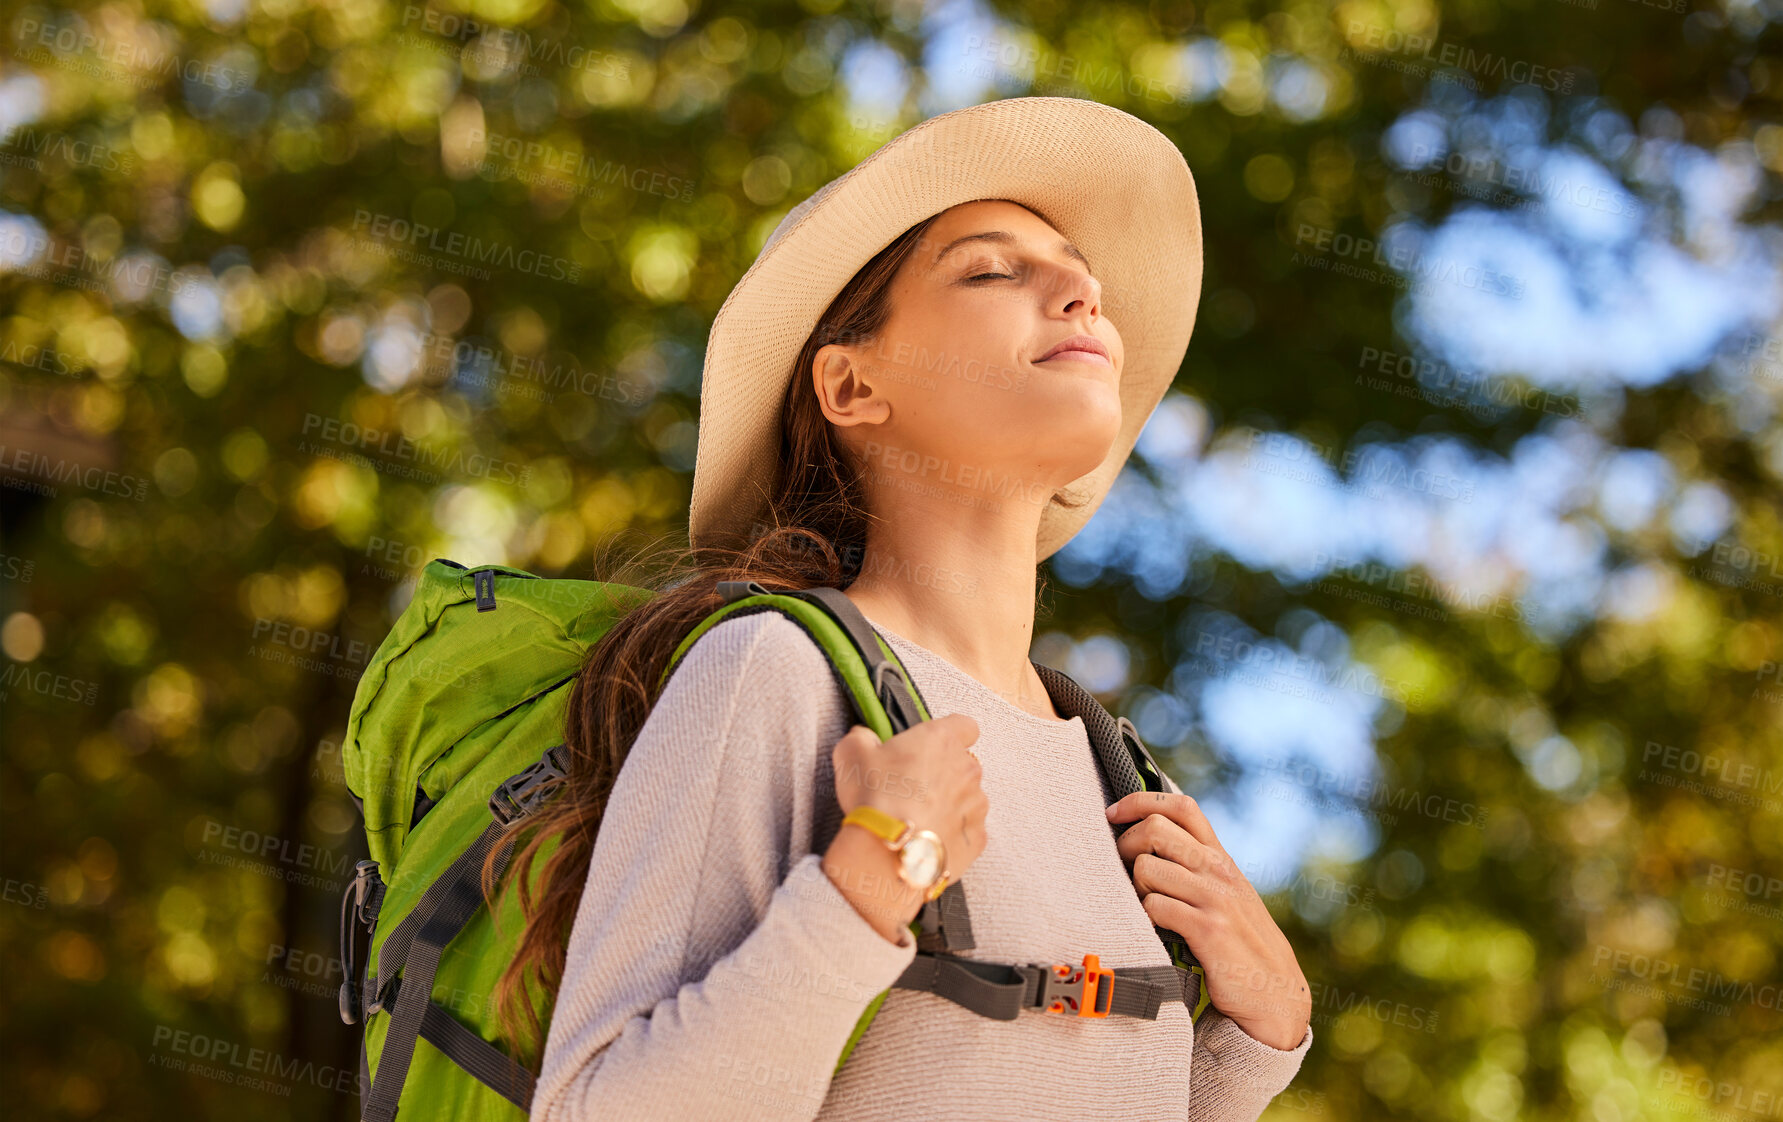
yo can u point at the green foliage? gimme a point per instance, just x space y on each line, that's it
224 462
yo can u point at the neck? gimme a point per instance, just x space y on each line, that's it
961 583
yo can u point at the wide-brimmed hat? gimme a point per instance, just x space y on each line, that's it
1112 184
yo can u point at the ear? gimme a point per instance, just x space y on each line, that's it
846 391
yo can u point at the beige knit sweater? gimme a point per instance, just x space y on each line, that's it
714 971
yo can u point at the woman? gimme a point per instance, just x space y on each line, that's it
917 393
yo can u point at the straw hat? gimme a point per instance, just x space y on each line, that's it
1110 183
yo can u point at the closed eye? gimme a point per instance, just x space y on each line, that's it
982 276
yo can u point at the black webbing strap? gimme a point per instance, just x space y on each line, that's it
1106 738
1127 766
414 949
394 954
444 909
893 687
990 989
1001 991
946 921
493 1068
1140 990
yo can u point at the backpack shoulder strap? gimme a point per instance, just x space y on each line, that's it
878 687
1127 766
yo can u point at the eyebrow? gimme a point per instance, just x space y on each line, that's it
1004 237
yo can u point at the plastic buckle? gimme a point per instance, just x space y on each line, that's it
1086 990
518 794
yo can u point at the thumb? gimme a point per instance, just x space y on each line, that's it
855 739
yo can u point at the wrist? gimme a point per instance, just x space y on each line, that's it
865 872
1282 1035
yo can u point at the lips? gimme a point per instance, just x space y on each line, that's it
1083 348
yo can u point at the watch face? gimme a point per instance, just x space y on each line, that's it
920 860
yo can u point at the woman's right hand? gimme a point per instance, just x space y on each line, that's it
926 775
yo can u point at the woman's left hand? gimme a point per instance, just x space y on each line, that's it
1189 884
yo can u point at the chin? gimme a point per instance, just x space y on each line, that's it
1078 411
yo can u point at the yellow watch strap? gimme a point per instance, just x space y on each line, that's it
878 822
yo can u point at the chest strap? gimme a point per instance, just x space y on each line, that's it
1001 991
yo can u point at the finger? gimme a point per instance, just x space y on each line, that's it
1165 838
859 736
1152 873
1180 809
1172 915
955 730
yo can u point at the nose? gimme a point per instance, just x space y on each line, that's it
1072 290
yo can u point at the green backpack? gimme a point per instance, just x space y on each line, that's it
455 735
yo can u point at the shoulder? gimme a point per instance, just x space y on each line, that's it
752 660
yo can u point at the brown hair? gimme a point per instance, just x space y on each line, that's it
813 535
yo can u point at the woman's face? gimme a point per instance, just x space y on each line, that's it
959 389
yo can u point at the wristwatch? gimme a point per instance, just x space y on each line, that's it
922 859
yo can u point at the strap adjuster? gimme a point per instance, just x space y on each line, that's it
359 908
519 794
1087 990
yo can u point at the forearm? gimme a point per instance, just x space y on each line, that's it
756 1038
1233 1076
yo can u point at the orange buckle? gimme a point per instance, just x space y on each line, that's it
1087 991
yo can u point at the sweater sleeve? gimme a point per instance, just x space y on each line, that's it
1234 1075
713 970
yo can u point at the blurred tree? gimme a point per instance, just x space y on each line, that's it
294 297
